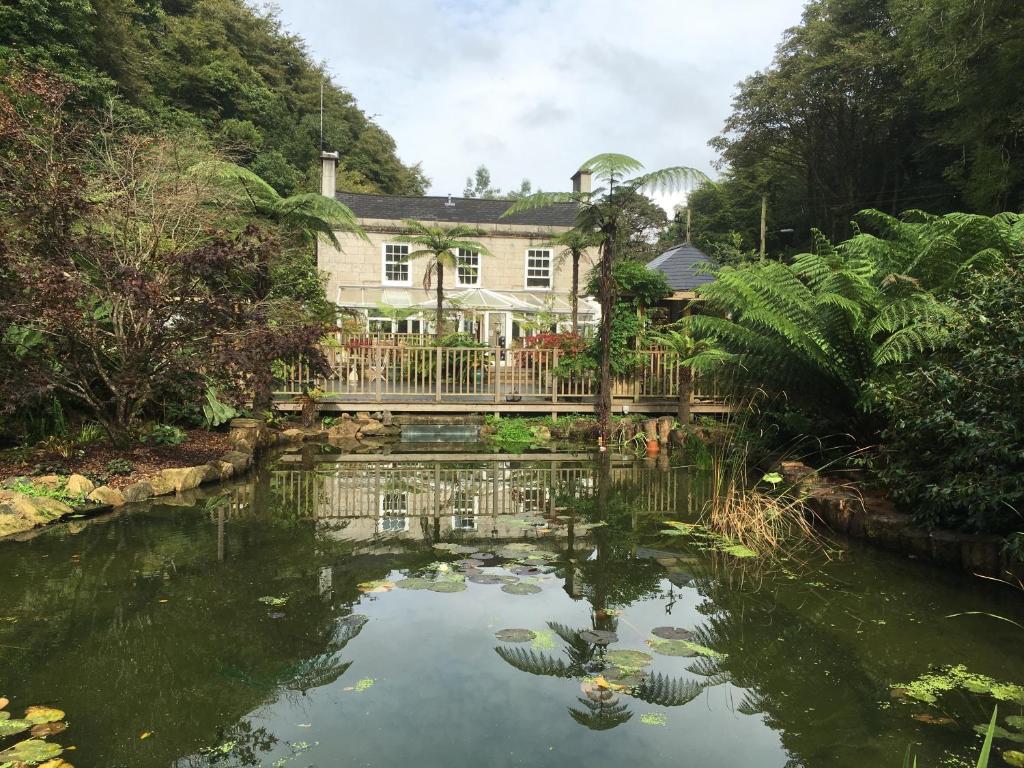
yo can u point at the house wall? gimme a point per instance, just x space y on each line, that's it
358 264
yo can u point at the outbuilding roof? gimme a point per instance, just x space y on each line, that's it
683 267
462 210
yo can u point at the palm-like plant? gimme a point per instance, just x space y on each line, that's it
601 213
309 215
574 244
820 328
441 245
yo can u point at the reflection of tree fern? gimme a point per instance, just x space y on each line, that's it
316 672
346 629
568 634
535 663
711 669
667 691
751 704
600 716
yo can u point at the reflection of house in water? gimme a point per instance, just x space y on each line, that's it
366 497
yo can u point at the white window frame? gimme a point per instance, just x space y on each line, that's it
384 264
551 270
462 254
461 513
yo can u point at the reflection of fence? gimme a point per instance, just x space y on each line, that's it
485 496
397 373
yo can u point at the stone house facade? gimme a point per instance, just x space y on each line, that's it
521 287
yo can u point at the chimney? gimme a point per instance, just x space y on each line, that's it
328 173
582 181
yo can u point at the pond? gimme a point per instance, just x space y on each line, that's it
355 610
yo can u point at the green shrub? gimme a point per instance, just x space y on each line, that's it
952 447
120 467
164 434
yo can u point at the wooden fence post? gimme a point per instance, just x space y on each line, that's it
437 375
496 351
554 377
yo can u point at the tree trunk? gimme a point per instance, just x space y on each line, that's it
262 386
607 298
685 392
439 312
574 297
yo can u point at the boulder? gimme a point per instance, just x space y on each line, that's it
362 416
139 491
665 429
542 433
221 469
293 436
37 510
386 418
371 427
241 461
107 495
79 485
185 478
160 485
343 431
48 482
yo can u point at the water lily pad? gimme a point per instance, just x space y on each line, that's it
39 714
672 633
372 587
629 659
653 718
414 583
505 579
275 601
1013 758
485 578
515 635
365 684
48 729
520 588
601 694
447 586
1015 721
624 678
680 648
5 715
11 727
482 556
31 751
469 562
598 636
520 546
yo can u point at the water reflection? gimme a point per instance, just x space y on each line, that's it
155 621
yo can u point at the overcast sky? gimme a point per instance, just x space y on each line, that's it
531 88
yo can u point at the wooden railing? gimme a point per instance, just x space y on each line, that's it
397 373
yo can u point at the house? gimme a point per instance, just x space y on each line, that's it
685 269
521 287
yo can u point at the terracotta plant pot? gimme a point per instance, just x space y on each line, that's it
652 447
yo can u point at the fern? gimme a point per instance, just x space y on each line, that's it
535 663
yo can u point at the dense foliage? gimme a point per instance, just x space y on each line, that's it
867 337
217 68
887 104
955 422
125 280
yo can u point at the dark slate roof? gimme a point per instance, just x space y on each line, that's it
464 211
680 267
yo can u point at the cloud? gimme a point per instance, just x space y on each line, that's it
532 88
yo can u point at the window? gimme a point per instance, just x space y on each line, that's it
396 265
467 272
394 506
538 268
464 509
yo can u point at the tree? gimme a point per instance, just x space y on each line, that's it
818 330
574 244
441 245
479 185
604 211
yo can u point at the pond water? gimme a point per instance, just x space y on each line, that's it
232 629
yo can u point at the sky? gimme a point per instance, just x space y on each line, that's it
532 88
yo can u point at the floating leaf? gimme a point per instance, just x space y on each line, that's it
629 659
526 570
277 602
371 587
414 583
1000 733
515 635
772 477
1015 721
469 562
56 763
38 714
481 556
672 633
681 648
520 588
627 678
653 718
364 684
11 727
597 693
602 682
447 586
933 719
31 751
4 702
48 729
485 578
543 641
1013 758
738 550
145 735
520 546
598 637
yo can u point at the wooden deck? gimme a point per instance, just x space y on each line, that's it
419 379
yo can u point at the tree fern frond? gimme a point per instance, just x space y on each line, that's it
609 165
544 200
667 179
535 663
667 691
